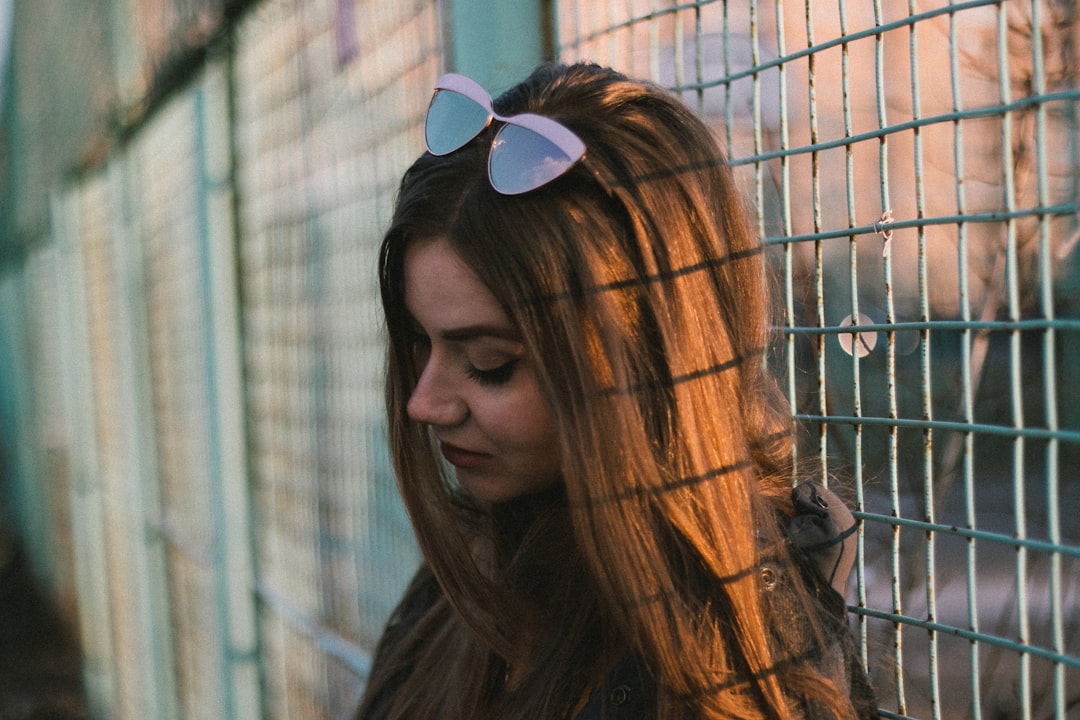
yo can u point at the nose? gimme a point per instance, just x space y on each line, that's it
435 400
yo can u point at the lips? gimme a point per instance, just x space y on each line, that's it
461 458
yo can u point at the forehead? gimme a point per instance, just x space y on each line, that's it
443 294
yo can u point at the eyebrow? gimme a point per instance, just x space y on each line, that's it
471 332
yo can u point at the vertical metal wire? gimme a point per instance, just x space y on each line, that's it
729 109
679 48
1015 357
928 499
230 507
856 339
613 55
755 114
213 429
579 24
786 226
966 380
890 366
1049 369
699 63
574 23
819 260
654 46
314 241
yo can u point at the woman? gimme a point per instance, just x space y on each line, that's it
593 455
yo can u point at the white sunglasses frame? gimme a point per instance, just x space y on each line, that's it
551 130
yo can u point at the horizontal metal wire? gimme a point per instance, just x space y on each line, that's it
984 638
779 61
996 110
991 325
1072 436
971 533
840 40
1059 209
332 643
634 20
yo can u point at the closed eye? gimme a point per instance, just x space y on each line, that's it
495 376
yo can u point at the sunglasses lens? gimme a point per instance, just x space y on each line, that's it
452 120
522 160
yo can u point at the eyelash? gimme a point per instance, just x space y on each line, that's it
495 376
489 378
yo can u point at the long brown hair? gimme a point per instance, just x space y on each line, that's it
639 288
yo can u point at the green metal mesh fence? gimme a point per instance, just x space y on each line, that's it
915 166
327 121
194 440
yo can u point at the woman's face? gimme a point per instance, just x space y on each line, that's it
477 389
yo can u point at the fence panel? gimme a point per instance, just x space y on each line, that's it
915 168
45 347
329 101
185 231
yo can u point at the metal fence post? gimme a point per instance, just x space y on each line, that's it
234 571
88 532
18 444
140 486
497 44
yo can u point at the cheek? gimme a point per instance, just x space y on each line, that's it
538 434
524 424
532 449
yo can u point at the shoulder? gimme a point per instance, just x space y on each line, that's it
420 597
396 652
422 593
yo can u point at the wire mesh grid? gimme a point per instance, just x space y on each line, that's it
102 301
327 121
168 160
43 274
915 167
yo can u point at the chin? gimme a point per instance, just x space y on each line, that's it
492 491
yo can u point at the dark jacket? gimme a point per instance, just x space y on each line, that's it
822 538
822 535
